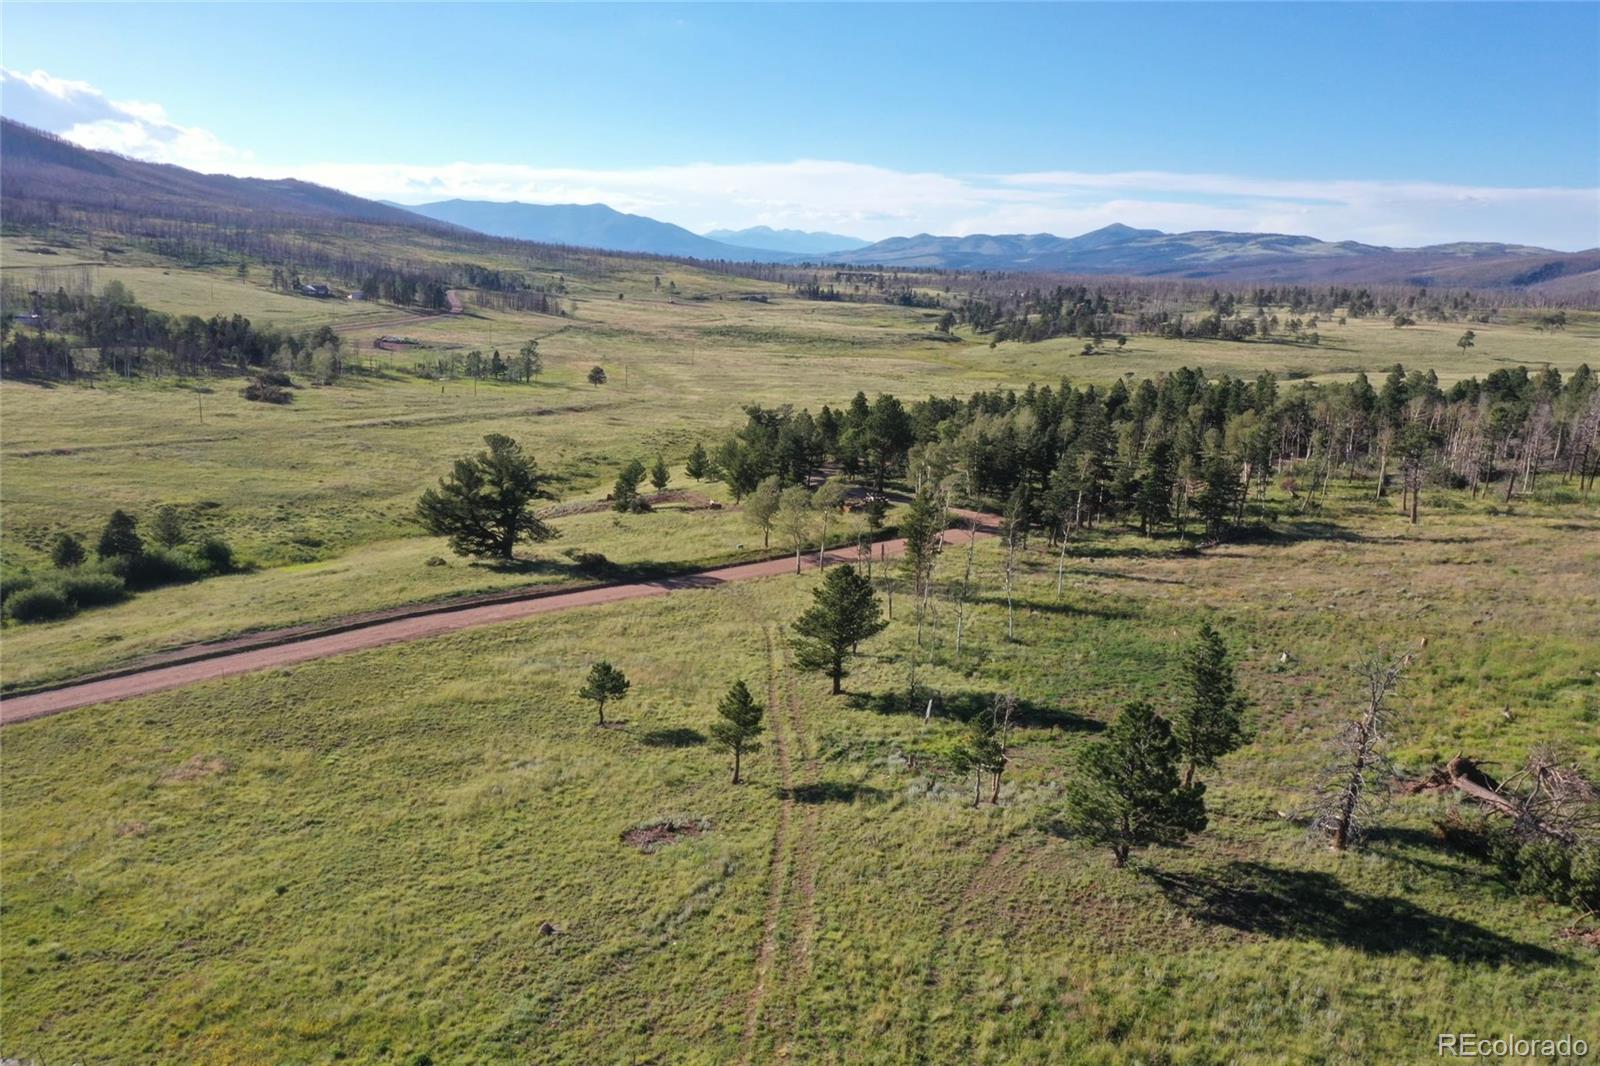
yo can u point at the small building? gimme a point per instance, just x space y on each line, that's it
358 295
320 291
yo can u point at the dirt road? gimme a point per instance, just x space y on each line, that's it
160 678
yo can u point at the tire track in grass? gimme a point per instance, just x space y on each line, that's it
981 880
805 852
778 876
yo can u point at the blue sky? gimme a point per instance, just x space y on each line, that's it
1392 123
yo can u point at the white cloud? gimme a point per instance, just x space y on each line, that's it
83 114
875 202
865 200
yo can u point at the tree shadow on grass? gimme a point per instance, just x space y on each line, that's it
1075 610
523 566
1123 575
1296 531
832 792
963 705
676 737
1287 904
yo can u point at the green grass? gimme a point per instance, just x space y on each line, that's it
333 477
304 865
351 859
370 577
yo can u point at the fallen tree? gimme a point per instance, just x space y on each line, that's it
1550 797
1547 840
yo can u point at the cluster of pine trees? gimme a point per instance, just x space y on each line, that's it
132 339
1182 447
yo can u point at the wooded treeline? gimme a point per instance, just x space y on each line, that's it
1181 448
130 339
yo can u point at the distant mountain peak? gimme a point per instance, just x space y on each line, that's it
790 241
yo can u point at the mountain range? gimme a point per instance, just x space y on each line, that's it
40 168
39 172
794 241
1214 254
584 225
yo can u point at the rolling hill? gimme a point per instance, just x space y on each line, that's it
1213 254
793 241
38 168
40 173
582 225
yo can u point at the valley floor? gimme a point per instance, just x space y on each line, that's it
416 853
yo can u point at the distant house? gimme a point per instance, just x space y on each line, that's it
356 296
37 321
320 291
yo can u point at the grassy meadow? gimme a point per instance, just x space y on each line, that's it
417 854
318 495
303 866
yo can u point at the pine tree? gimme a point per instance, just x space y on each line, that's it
1126 792
659 475
921 528
698 465
1210 721
844 611
986 753
485 504
67 552
1154 500
120 536
604 684
739 725
1220 497
530 362
625 492
167 527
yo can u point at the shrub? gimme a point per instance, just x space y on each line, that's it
157 567
261 391
40 603
215 554
1546 868
67 552
11 584
587 561
93 588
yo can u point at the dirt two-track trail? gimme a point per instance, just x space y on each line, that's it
294 650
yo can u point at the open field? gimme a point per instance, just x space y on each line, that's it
355 858
306 865
319 494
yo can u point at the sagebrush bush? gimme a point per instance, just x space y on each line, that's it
215 554
266 392
93 588
10 584
589 562
40 603
156 567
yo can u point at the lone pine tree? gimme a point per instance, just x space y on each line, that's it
1126 792
485 504
738 724
844 611
605 684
